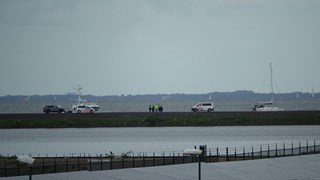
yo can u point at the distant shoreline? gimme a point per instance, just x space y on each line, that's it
165 119
233 95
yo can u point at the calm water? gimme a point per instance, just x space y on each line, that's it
121 140
169 106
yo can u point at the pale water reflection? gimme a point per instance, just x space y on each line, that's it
94 141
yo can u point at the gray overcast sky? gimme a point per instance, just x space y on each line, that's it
113 47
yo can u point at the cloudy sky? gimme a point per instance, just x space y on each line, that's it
114 47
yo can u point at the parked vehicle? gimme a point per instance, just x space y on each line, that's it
203 106
82 109
53 108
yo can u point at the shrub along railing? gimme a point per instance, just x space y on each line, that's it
9 166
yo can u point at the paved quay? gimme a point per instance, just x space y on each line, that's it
305 167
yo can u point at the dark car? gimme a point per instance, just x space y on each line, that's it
53 108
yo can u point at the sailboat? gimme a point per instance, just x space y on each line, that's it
266 106
27 99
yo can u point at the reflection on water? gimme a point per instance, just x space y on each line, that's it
119 140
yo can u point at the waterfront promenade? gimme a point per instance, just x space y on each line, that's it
285 168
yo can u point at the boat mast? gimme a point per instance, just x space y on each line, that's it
271 72
312 95
79 93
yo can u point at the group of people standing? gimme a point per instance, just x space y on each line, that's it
155 108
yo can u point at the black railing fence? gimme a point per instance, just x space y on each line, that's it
9 166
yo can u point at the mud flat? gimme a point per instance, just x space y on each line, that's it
146 119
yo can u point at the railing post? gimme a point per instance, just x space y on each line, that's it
143 160
284 149
67 164
78 164
55 165
42 165
182 158
307 147
17 169
122 161
314 146
90 163
217 154
111 161
235 154
133 164
164 159
292 148
299 148
252 155
101 163
154 159
199 168
244 153
276 150
268 151
173 159
5 167
260 151
227 153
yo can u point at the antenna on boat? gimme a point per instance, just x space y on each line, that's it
271 72
78 90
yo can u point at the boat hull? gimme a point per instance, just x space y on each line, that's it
267 109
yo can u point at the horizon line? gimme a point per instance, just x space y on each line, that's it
154 94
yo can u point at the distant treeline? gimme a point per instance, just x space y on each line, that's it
236 95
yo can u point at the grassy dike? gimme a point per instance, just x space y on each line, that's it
158 119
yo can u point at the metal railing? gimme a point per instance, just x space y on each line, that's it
9 166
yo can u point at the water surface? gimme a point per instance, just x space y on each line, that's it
73 141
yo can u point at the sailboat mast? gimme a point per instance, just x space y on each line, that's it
312 95
271 72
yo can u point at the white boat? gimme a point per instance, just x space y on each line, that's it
264 108
83 102
27 99
267 106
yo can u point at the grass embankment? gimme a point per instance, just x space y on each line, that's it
158 119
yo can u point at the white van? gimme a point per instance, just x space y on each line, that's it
82 109
203 106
